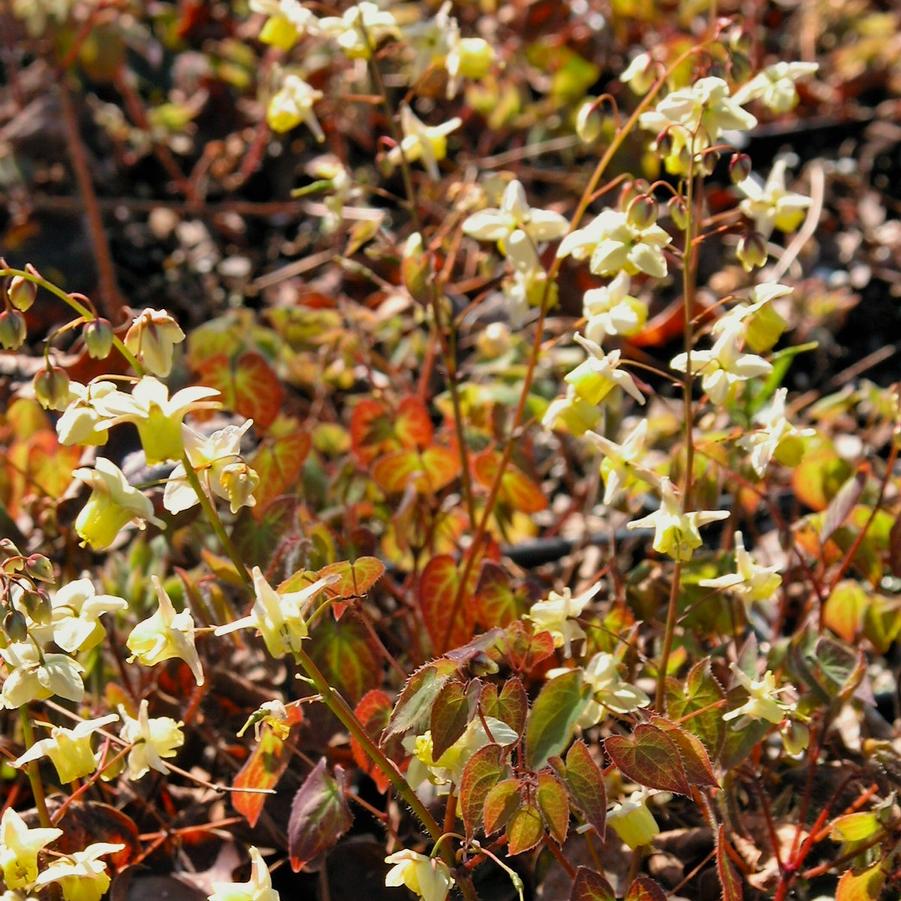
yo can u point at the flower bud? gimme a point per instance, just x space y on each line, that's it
642 212
795 738
38 607
494 340
98 338
12 329
741 67
751 251
739 167
708 161
475 57
22 293
152 337
415 268
589 121
15 626
39 568
51 388
678 213
665 143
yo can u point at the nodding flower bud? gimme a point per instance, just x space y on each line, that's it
415 268
678 212
751 251
12 329
38 607
39 568
15 626
21 292
709 159
642 212
665 143
739 167
589 121
631 190
51 388
98 338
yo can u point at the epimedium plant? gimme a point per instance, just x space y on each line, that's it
356 554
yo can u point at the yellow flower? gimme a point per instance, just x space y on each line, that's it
612 310
257 888
515 214
770 205
426 877
69 749
36 676
75 624
775 85
620 460
153 739
81 875
280 618
113 504
557 614
571 414
293 104
427 143
82 419
594 378
361 28
164 635
763 699
774 436
19 848
158 417
152 337
287 22
676 533
750 581
632 821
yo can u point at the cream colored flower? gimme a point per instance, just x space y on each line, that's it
82 419
77 608
421 142
19 847
639 74
632 821
515 214
775 86
69 750
571 414
293 104
360 30
152 337
770 205
750 581
763 702
676 533
165 635
112 505
82 876
557 614
774 436
36 676
153 738
288 21
427 877
281 618
257 888
612 310
613 245
157 416
618 468
595 377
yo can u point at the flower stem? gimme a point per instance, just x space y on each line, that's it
34 768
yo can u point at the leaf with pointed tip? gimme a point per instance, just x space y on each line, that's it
553 717
355 578
278 462
553 803
427 470
698 692
439 584
730 882
524 830
585 782
698 768
511 706
591 886
482 772
319 816
864 886
841 505
373 712
449 718
414 706
496 601
645 889
499 805
650 758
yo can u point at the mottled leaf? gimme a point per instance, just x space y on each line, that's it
482 772
499 805
450 716
649 757
591 886
373 712
585 783
319 816
553 802
553 717
248 385
524 830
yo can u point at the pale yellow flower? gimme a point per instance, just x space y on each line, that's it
153 738
421 142
293 104
427 877
152 337
557 614
82 876
257 888
632 821
751 582
19 847
69 750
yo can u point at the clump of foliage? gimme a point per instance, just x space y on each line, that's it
491 549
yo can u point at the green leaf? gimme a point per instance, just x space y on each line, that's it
511 706
585 782
499 805
781 360
554 715
649 757
698 691
524 830
553 803
413 709
319 816
482 772
698 768
449 717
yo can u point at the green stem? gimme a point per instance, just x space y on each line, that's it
34 769
80 308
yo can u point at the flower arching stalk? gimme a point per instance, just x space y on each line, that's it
553 271
34 769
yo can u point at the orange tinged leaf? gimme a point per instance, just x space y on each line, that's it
438 587
278 462
517 489
248 384
428 471
373 712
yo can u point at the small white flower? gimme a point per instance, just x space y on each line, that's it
82 421
515 214
36 676
763 702
612 310
773 430
427 877
360 30
421 142
769 204
152 337
293 104
639 74
775 86
557 614
595 377
257 888
751 582
19 847
153 739
761 295
632 821
69 749
77 608
81 875
620 460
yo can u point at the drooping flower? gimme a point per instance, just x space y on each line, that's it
571 414
112 505
287 22
514 213
639 74
676 533
632 821
751 582
211 456
35 675
760 324
153 738
774 436
612 310
152 337
280 618
775 85
19 847
69 750
527 286
614 244
165 635
557 614
360 29
293 104
769 204
763 702
257 888
83 418
77 608
596 376
723 366
427 877
157 416
82 876
618 468
421 142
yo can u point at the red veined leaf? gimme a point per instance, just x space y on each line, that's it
517 489
499 805
525 829
346 655
356 578
413 425
248 385
585 781
482 772
428 471
373 712
278 461
553 803
730 881
645 889
591 886
497 602
649 757
439 584
319 816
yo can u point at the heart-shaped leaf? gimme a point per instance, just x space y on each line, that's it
585 782
649 757
319 816
482 772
